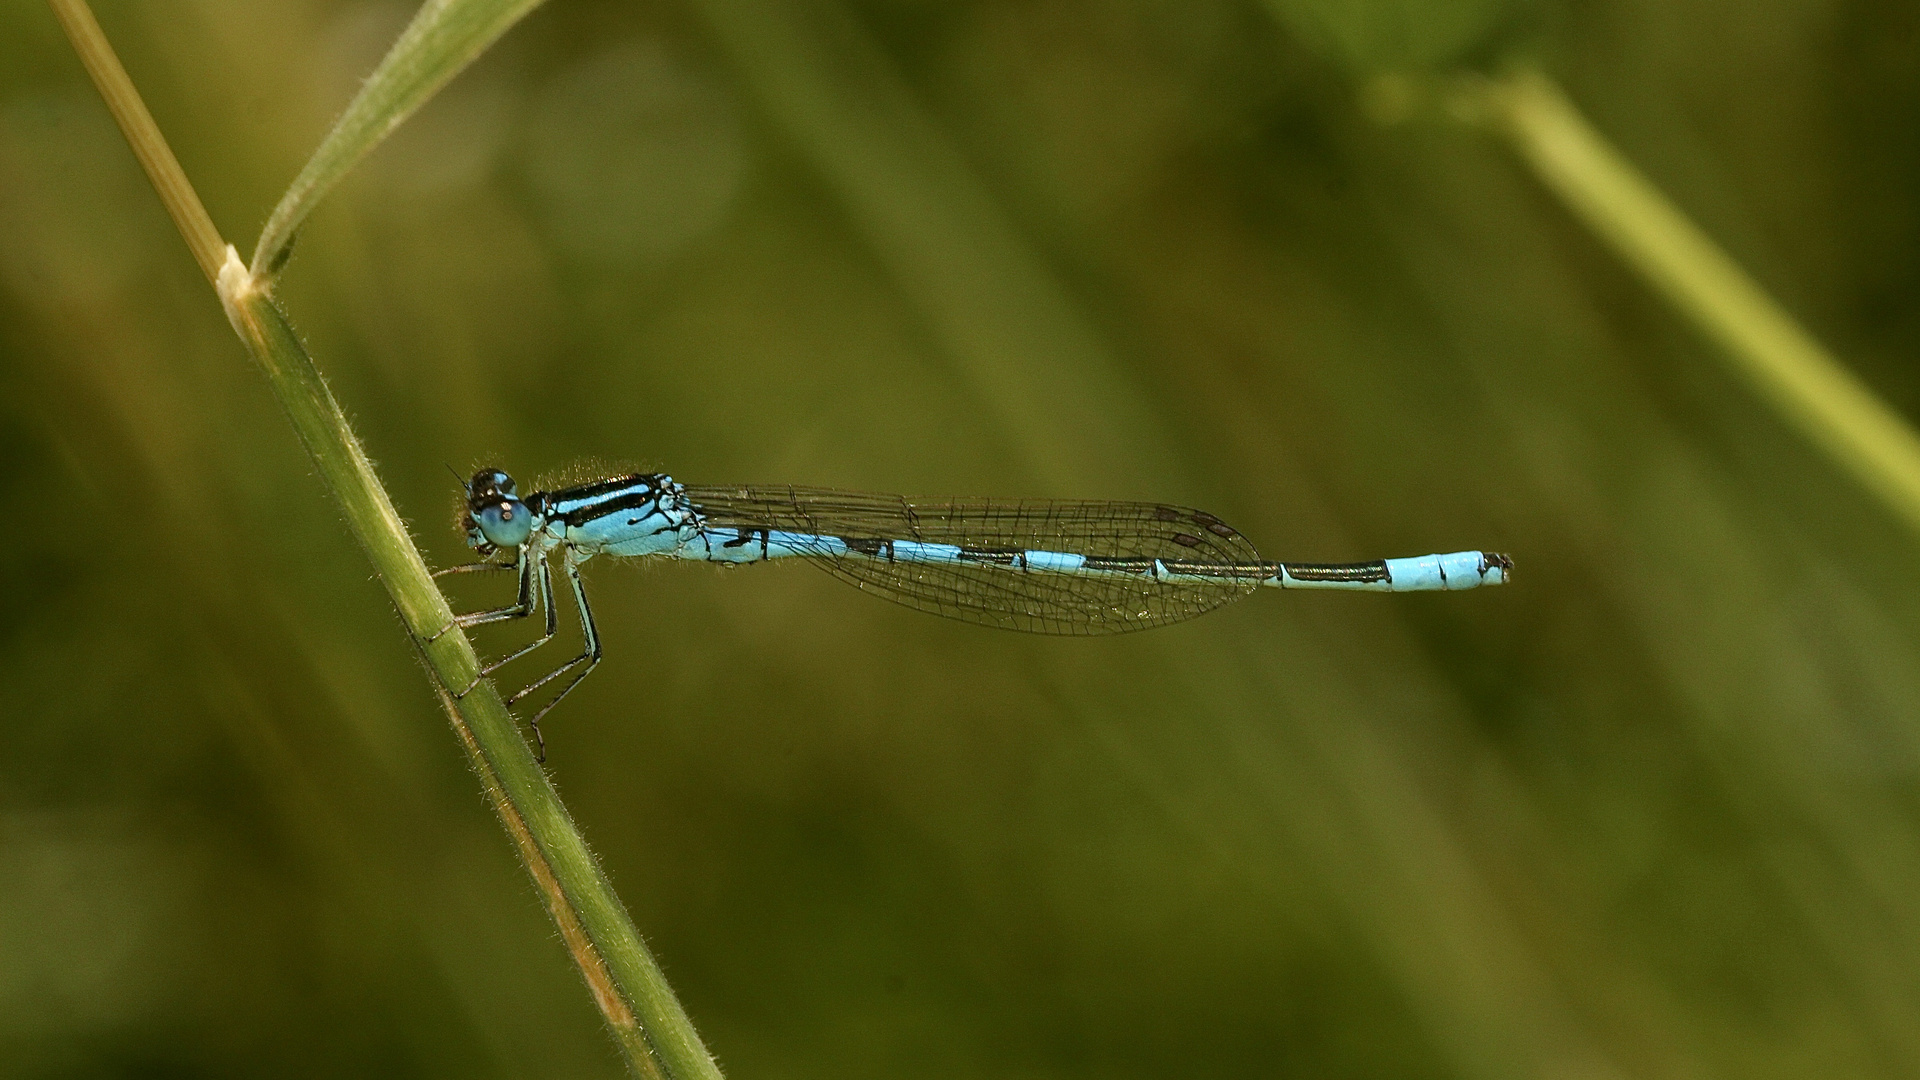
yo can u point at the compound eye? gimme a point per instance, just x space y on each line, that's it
506 523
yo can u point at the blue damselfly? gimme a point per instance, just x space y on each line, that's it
1049 567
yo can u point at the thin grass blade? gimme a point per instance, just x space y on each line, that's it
443 38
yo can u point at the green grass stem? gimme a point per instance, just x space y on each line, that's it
143 135
646 1020
1791 370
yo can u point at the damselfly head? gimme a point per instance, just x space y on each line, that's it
488 482
495 517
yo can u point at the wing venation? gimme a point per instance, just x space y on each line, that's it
992 591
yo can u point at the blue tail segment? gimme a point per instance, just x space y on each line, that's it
1423 573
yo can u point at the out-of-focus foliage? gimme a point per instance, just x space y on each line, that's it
1398 35
1650 811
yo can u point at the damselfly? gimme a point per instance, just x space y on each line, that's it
1042 566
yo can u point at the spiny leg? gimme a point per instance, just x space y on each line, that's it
590 656
474 568
520 608
535 591
542 598
478 568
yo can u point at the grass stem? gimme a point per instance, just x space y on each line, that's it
647 1022
1791 370
156 157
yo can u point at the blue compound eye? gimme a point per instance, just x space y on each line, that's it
506 523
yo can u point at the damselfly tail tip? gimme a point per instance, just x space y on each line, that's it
1497 568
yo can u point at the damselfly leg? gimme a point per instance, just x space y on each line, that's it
589 653
520 608
535 594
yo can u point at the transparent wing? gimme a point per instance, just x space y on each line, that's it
1002 594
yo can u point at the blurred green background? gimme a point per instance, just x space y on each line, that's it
1650 812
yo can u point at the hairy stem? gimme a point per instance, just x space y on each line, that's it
646 1020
